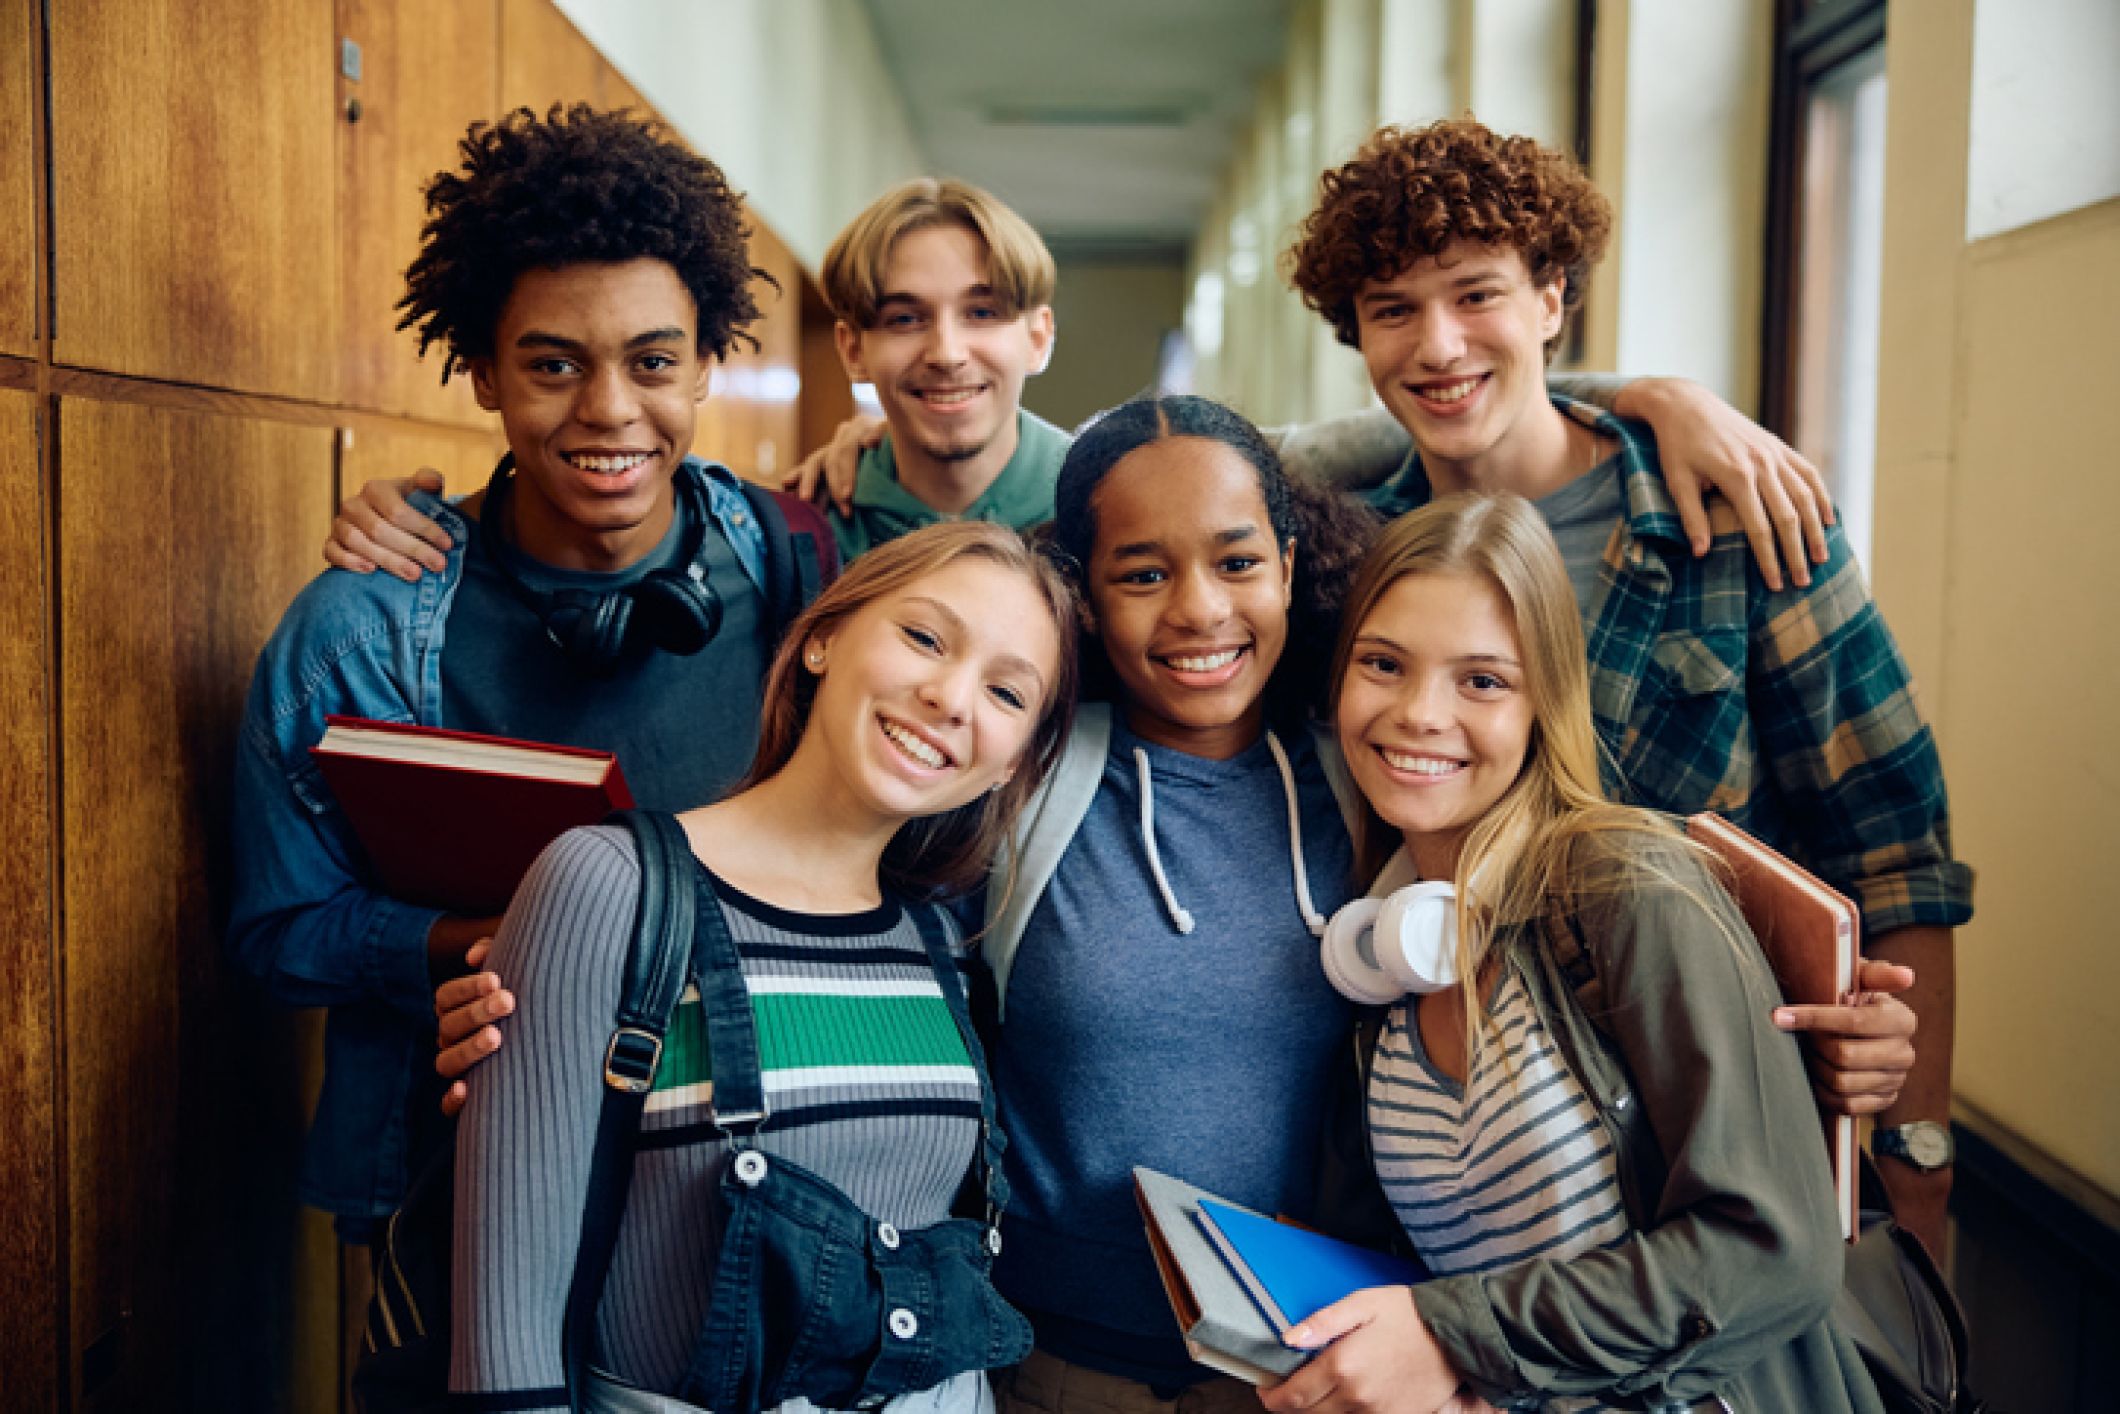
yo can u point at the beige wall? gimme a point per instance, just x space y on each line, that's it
1996 501
790 96
1111 317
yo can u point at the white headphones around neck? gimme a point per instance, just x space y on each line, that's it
1376 950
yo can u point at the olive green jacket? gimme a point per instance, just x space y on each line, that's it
1718 1298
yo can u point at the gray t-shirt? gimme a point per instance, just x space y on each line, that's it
683 727
1581 516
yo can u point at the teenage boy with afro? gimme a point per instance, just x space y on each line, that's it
584 269
1452 258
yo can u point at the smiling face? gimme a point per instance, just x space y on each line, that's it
1456 348
597 377
1189 593
946 354
928 696
1434 714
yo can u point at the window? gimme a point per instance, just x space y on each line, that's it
1826 241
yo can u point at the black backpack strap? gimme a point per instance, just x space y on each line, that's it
655 976
985 1186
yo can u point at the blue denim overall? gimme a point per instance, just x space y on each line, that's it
812 1297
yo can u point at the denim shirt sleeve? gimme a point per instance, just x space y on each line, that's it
306 920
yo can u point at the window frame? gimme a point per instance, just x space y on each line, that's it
1811 39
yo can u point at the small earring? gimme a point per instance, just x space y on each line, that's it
815 659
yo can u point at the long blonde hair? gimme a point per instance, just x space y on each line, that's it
947 853
1553 839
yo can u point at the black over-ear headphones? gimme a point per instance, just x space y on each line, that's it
676 611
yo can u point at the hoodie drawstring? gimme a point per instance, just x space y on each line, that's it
1312 919
1179 917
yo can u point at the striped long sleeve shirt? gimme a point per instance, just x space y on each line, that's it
865 1072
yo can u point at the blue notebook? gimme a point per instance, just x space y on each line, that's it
1292 1272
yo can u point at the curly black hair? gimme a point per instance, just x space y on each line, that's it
576 186
1331 532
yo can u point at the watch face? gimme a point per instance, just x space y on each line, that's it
1928 1145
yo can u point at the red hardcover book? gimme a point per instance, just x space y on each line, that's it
1809 933
453 819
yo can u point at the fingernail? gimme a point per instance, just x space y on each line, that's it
1784 1017
1700 545
1803 579
1300 1335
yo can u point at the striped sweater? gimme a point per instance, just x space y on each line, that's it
866 1075
1512 1166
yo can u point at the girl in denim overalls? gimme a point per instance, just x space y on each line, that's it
786 1254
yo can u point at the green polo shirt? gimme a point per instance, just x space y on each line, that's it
1021 496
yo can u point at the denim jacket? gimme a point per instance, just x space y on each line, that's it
306 920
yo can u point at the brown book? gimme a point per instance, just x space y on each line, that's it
452 819
1810 934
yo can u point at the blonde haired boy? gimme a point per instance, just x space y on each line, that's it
943 297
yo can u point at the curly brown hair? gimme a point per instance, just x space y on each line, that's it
1411 192
579 185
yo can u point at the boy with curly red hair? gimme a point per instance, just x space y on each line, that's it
1453 257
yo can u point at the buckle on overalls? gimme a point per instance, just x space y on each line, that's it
630 1060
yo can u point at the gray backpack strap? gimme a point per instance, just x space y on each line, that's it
1041 836
1338 777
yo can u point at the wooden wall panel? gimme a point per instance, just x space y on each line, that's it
194 166
377 451
182 537
428 71
29 1255
545 60
750 420
18 179
827 392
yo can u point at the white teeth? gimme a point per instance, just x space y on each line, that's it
608 466
1419 765
1207 663
914 747
1456 392
949 397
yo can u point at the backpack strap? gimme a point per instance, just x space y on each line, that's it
654 978
801 556
1571 956
992 1187
1024 867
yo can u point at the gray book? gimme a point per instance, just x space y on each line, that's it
1223 1327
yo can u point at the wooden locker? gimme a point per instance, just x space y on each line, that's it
193 1281
194 170
29 1253
545 60
384 451
428 71
18 178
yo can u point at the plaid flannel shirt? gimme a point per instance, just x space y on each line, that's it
1790 712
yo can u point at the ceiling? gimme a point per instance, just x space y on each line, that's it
1107 123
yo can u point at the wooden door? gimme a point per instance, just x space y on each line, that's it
545 60
193 1282
193 192
750 420
29 1324
18 179
428 71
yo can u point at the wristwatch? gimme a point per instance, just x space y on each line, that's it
1922 1144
